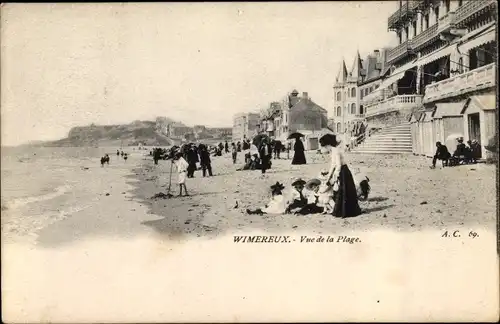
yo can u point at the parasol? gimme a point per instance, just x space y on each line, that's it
257 140
452 141
295 135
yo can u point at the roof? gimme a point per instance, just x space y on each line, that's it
444 109
415 116
342 75
307 104
357 67
424 114
485 101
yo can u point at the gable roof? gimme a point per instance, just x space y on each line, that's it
485 101
447 109
307 104
426 115
415 116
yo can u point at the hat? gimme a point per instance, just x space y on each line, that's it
328 139
298 182
312 183
324 172
278 185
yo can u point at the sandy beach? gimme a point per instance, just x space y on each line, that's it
406 196
176 260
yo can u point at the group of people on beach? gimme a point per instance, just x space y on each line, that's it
105 159
334 191
463 154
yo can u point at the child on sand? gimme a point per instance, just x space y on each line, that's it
326 194
181 166
277 203
297 199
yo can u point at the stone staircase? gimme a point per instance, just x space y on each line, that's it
389 140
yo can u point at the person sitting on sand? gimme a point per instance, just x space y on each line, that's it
181 166
461 149
441 154
276 205
311 194
297 199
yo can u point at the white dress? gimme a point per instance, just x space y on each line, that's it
181 166
277 205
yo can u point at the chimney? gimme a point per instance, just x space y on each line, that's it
304 95
376 53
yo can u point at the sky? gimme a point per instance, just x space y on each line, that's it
66 65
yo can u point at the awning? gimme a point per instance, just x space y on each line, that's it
397 74
436 55
487 36
446 109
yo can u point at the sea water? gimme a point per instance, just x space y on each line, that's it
43 185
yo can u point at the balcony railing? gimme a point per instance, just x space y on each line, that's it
393 104
446 23
469 8
407 10
399 51
478 79
425 37
415 5
393 19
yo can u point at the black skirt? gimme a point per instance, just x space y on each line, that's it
299 157
346 199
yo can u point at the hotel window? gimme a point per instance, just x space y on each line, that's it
338 128
353 108
353 92
339 96
414 27
361 112
436 13
460 3
339 111
426 21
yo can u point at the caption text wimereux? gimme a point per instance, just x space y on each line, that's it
301 239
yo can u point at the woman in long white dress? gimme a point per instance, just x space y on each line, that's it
346 199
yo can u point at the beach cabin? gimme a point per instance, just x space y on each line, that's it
479 121
415 132
428 144
448 119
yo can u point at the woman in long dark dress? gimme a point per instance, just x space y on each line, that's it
298 155
346 198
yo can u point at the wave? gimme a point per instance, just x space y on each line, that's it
20 202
